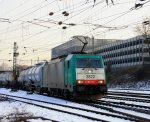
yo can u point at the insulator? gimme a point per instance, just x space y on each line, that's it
64 27
51 13
59 23
66 14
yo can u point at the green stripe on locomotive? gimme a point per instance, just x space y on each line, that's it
70 68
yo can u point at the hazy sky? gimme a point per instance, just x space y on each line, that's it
28 23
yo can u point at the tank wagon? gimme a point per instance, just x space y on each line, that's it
32 75
6 78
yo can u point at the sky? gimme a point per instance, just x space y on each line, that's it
39 25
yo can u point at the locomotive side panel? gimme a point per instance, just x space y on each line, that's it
53 75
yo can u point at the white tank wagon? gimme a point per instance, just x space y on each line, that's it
32 75
22 79
21 76
2 78
9 76
6 78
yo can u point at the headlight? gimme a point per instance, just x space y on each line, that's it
100 82
79 82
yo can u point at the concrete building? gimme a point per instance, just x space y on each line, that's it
125 53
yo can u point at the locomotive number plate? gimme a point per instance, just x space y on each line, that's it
90 76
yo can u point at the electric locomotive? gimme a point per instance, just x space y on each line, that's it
78 76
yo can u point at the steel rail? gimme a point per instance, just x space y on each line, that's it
139 95
123 107
132 117
126 104
127 98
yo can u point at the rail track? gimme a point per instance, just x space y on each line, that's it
123 106
122 97
138 95
120 115
105 107
126 104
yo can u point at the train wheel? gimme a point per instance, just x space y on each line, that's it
41 91
49 93
67 94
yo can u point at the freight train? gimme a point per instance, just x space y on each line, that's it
78 76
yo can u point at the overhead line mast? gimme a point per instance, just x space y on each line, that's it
15 55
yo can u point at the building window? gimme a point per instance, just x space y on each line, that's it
138 42
130 60
131 43
134 43
140 58
141 41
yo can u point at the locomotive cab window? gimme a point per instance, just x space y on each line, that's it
89 63
68 63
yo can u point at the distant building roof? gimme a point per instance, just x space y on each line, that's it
75 44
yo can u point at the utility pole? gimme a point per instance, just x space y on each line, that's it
15 55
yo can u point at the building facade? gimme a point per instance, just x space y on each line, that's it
125 53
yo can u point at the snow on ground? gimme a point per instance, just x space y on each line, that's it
142 85
47 99
6 108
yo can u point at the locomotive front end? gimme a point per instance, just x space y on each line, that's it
90 78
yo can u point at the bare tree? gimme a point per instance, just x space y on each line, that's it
144 30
